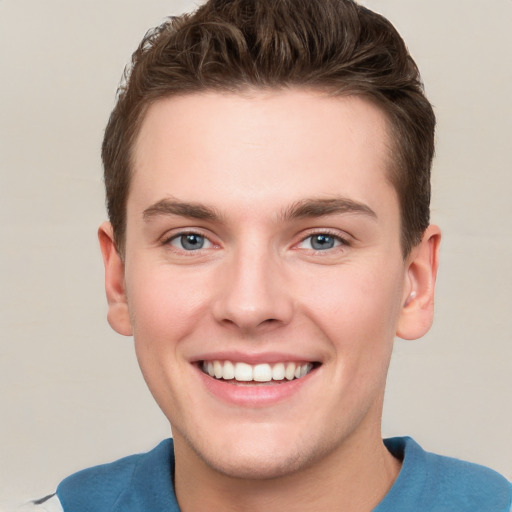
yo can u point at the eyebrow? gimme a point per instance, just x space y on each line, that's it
305 208
170 206
308 208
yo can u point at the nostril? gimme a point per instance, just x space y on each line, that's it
269 322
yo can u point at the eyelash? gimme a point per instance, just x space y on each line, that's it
342 242
176 236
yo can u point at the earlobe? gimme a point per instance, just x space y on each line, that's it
118 314
417 311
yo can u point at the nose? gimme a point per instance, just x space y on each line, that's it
252 292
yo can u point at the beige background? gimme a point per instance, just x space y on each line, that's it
70 390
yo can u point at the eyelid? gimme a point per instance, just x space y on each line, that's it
342 238
167 238
179 232
207 244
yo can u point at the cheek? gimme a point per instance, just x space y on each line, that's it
164 305
165 310
358 308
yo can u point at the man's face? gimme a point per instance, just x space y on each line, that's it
262 237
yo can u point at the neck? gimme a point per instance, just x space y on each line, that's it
353 478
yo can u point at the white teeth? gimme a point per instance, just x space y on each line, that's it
218 369
289 373
243 372
278 371
262 372
229 370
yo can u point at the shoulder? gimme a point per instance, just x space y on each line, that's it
443 483
102 483
138 482
478 483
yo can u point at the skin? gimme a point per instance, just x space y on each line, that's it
242 165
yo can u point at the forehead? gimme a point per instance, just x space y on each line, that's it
261 147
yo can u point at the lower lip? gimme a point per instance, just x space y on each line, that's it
253 395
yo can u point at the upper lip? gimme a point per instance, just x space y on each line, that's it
253 358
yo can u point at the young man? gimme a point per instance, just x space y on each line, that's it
267 169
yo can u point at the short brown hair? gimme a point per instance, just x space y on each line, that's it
335 46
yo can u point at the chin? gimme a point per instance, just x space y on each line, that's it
258 457
255 466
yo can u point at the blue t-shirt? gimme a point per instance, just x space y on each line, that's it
426 483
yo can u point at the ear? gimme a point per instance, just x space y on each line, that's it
417 311
118 315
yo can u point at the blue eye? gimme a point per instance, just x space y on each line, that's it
190 242
321 242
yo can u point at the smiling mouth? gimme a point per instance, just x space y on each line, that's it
244 373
